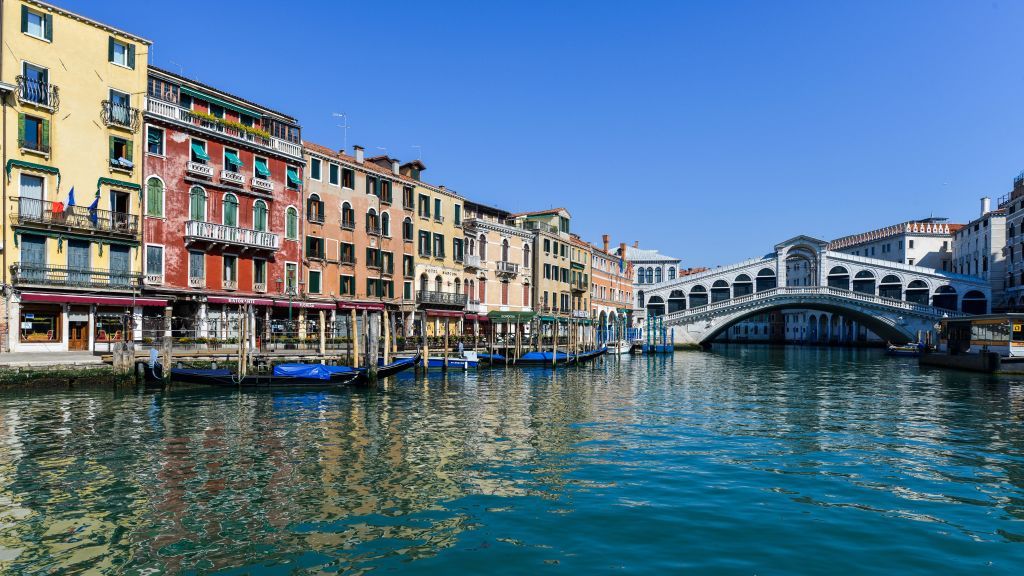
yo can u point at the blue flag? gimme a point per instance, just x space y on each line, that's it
71 197
92 211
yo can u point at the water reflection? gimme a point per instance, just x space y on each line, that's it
721 462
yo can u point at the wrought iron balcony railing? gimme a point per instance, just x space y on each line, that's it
221 234
121 116
38 93
442 298
43 213
37 146
28 273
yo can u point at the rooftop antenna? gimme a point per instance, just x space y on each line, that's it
344 128
419 151
181 69
384 148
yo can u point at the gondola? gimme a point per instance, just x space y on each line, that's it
492 359
907 350
285 376
543 359
589 354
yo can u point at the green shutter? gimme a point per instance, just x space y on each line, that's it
110 49
45 138
131 56
48 27
24 18
128 145
112 139
21 126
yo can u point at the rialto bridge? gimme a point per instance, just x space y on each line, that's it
896 301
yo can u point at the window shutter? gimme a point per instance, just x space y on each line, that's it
21 126
131 56
110 49
128 145
48 27
24 18
45 136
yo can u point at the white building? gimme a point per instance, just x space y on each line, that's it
650 266
925 242
978 250
1013 205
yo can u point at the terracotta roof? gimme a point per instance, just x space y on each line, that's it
539 212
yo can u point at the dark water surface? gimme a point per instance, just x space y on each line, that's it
742 461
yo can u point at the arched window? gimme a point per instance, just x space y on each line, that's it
230 217
348 216
483 247
385 224
438 284
291 224
458 286
155 197
657 275
526 255
314 209
671 272
423 282
372 222
197 204
407 232
650 275
504 250
259 216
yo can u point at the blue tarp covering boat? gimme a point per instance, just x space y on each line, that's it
543 358
321 371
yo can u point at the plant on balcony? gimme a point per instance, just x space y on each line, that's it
231 124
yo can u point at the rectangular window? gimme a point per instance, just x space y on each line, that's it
315 248
438 245
120 53
385 192
155 141
334 173
437 210
910 243
232 163
314 281
348 178
36 24
40 324
424 206
407 291
314 168
230 268
407 197
155 261
196 266
458 215
547 246
348 253
33 133
292 178
424 243
348 285
121 153
291 277
198 151
407 265
259 272
372 186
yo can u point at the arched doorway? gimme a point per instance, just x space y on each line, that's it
766 280
823 328
891 287
864 282
656 306
698 296
839 277
812 328
974 302
719 291
945 297
742 286
917 292
676 301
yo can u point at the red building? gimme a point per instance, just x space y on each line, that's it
222 203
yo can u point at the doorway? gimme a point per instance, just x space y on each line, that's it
78 329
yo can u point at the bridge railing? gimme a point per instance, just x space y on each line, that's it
818 291
711 273
923 270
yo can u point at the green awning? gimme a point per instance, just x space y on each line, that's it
261 168
577 266
219 102
32 166
117 183
510 316
293 176
199 152
234 159
547 318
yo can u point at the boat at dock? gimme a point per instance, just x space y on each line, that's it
913 350
284 376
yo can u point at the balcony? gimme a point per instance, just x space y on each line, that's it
441 298
505 268
230 284
347 260
120 116
259 287
153 279
474 307
230 235
30 274
230 177
41 214
439 218
580 314
37 145
263 185
197 281
199 169
473 261
579 286
540 226
179 114
38 93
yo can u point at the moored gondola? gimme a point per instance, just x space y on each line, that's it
543 359
285 376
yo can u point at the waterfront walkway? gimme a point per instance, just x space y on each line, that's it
48 359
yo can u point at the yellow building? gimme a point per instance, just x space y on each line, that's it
71 265
440 252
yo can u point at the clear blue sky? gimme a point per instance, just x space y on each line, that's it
711 130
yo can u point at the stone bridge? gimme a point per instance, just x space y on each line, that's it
895 301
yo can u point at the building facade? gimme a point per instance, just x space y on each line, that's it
551 259
223 216
979 250
498 263
926 242
72 249
611 290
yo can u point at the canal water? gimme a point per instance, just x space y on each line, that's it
750 460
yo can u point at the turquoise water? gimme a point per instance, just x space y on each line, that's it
742 461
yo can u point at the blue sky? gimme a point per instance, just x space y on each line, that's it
711 130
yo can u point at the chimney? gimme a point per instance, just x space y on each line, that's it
622 250
442 188
986 205
605 239
636 244
394 166
359 154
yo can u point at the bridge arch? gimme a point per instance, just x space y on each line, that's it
945 297
918 292
676 301
974 302
742 285
864 282
891 287
719 291
655 306
766 279
839 277
698 296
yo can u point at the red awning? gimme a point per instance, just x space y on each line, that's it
304 304
239 300
87 299
445 313
471 316
360 306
